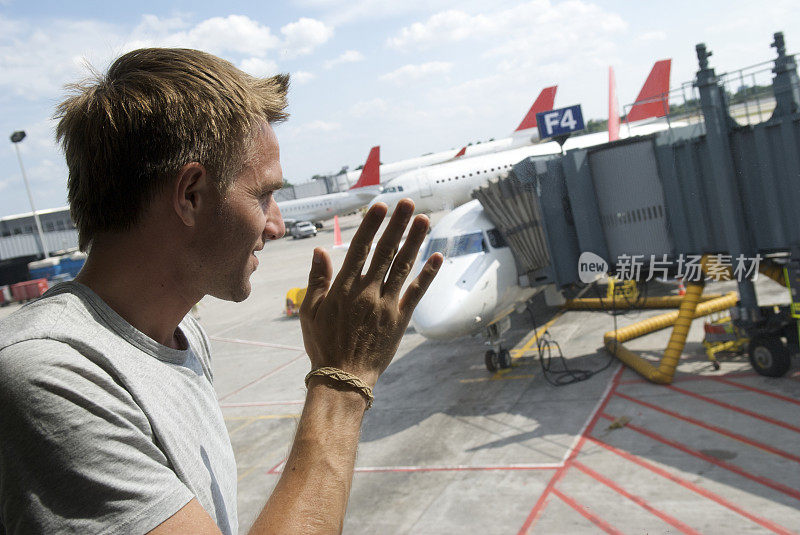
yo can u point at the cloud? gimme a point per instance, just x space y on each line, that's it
522 24
303 36
37 58
349 56
259 67
415 72
657 35
369 108
301 77
320 126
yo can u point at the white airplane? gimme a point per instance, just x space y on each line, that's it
450 184
321 207
525 134
477 288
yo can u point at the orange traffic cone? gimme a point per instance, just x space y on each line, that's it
681 287
337 232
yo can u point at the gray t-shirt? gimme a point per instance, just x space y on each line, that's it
103 430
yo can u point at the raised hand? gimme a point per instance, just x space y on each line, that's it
356 323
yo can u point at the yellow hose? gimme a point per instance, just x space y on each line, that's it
594 303
681 319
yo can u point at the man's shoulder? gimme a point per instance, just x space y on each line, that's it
58 310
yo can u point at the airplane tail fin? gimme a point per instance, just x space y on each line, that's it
613 107
461 153
653 99
544 102
371 172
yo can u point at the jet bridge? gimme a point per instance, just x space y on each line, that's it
708 184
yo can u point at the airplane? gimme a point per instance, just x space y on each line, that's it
477 287
525 134
450 184
322 207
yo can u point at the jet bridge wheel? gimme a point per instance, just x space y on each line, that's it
769 356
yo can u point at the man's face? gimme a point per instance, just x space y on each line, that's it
244 221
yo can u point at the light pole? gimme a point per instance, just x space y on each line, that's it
16 137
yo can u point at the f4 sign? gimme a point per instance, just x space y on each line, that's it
559 122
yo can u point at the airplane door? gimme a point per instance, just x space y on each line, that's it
424 184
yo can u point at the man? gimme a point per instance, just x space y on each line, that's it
110 422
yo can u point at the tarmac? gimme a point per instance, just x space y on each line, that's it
449 447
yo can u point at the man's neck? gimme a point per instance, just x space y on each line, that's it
140 284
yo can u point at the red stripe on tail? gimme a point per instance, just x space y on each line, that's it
462 152
544 102
613 107
655 91
370 174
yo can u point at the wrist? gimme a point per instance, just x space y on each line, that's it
335 394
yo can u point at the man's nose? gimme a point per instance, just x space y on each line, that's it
274 229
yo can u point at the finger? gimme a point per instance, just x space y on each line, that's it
405 259
319 280
360 245
387 245
419 286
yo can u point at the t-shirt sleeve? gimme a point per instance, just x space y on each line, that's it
77 454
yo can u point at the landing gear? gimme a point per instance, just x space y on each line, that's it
496 360
769 356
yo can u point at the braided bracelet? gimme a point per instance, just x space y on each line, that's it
344 378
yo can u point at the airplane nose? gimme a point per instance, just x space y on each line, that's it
446 311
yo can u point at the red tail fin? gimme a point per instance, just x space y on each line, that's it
613 107
370 173
462 152
544 102
656 91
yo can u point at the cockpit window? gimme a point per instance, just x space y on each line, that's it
458 246
496 239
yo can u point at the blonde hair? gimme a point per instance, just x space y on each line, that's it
126 134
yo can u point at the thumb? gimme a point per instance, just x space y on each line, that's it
319 280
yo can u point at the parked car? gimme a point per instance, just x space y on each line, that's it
303 229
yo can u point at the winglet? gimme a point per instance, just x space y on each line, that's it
653 99
544 102
613 107
461 153
371 173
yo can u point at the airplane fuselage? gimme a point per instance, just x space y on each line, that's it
322 207
476 286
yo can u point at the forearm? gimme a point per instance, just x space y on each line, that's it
311 495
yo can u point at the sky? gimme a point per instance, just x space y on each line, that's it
414 77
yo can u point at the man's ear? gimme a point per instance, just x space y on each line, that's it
191 192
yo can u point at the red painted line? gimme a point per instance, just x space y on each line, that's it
735 408
687 378
783 489
538 508
459 468
638 500
259 379
254 343
716 429
763 522
594 519
274 469
758 390
261 403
